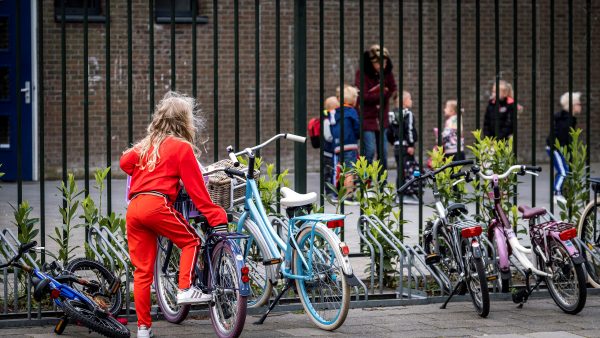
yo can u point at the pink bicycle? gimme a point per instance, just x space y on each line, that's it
556 258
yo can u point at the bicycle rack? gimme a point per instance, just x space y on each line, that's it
408 259
104 239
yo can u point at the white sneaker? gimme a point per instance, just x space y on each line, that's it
144 332
192 295
560 198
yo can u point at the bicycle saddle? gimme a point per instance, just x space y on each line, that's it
293 199
529 212
595 181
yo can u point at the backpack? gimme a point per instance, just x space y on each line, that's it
314 131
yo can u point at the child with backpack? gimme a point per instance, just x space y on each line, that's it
314 132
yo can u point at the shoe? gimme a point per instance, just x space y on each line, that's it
192 295
560 198
332 198
145 332
411 200
350 201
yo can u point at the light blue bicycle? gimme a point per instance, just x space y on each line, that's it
312 255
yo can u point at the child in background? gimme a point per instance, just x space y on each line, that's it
350 136
330 105
450 132
407 143
505 112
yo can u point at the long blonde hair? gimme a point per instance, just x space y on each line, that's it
175 116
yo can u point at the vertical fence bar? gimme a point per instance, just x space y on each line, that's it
382 157
41 123
361 68
477 82
439 72
194 50
151 54
321 99
86 129
400 165
63 66
129 76
278 95
108 131
458 79
551 105
420 70
533 93
19 106
173 65
497 79
236 66
257 68
516 91
588 94
215 76
300 93
570 57
342 108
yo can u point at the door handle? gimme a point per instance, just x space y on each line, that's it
27 91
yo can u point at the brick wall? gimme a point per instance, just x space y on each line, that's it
429 109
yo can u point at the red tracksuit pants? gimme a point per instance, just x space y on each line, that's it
149 216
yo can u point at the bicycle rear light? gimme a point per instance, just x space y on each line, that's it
345 249
55 293
245 271
471 231
568 234
338 223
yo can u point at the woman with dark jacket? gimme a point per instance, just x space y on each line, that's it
370 92
564 120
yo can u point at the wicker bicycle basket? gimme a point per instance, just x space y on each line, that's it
225 191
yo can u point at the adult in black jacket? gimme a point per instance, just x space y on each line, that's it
505 114
564 120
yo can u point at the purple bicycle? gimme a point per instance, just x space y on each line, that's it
556 258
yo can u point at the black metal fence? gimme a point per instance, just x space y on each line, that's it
443 30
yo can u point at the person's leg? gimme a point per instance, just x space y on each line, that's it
385 151
561 171
370 145
142 251
328 174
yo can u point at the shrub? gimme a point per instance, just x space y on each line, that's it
575 188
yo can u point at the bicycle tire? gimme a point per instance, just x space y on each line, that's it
80 312
166 284
585 231
576 276
447 265
225 305
254 249
482 305
326 270
104 277
503 281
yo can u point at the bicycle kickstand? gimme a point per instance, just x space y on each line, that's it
452 294
274 303
528 288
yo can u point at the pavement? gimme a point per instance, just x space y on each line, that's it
538 318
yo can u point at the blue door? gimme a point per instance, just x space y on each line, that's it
11 91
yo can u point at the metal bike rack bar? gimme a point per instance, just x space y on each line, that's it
371 250
367 222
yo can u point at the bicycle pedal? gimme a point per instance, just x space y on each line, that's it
432 259
60 326
273 261
492 278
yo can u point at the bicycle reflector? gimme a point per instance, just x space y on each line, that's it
245 271
567 234
55 293
338 223
345 249
471 232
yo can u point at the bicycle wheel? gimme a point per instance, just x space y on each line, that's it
83 313
101 280
255 252
504 279
166 282
477 283
228 308
567 285
447 265
326 295
589 233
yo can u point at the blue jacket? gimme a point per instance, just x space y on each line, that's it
351 128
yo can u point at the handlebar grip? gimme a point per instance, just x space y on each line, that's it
232 156
295 138
235 172
407 184
534 169
23 248
458 175
462 162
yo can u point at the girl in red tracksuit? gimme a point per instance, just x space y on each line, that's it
156 165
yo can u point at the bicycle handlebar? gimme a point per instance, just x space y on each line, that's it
433 173
23 248
521 169
233 155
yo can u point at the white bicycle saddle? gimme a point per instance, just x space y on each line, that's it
293 199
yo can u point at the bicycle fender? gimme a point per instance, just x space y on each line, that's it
344 260
579 259
352 280
239 264
476 249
